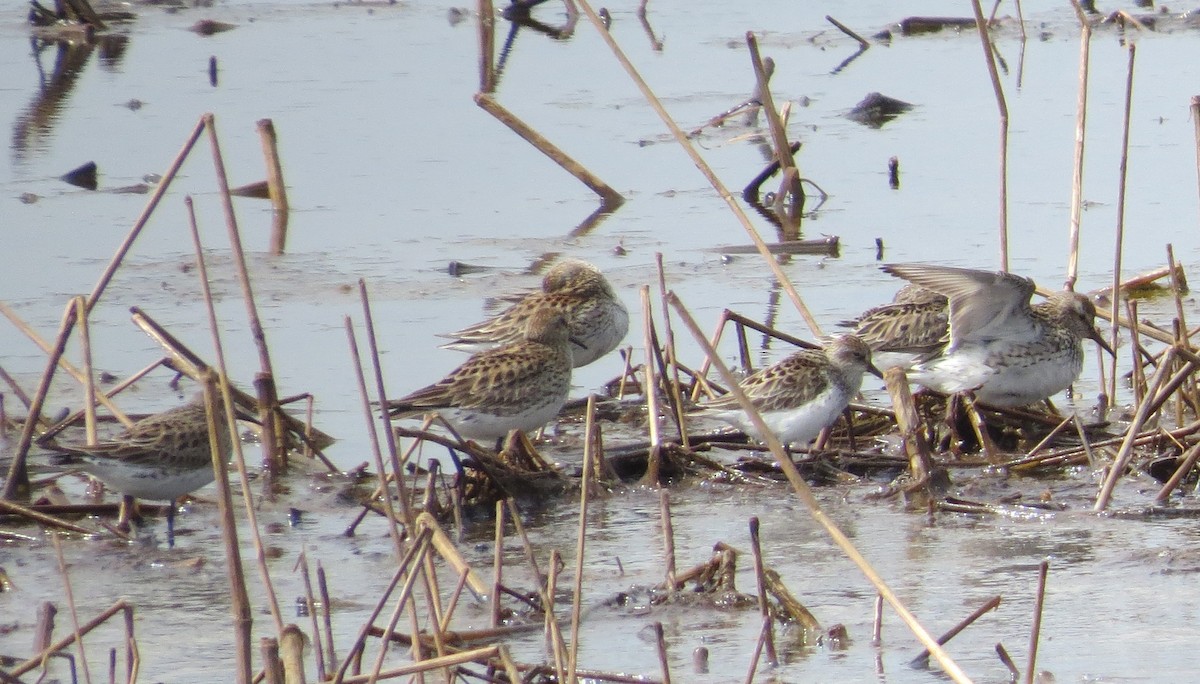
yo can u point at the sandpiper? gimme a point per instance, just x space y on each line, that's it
802 394
1000 347
913 325
597 319
160 458
519 386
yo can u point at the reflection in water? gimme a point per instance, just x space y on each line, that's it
35 124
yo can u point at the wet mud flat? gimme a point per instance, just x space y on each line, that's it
666 547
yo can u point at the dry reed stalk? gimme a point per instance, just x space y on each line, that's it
449 552
89 375
239 458
419 542
804 492
1036 630
477 655
48 348
1135 338
402 601
1119 248
920 463
444 625
1069 455
664 507
272 668
487 46
498 563
585 491
979 425
610 198
373 436
1014 674
763 608
327 617
239 598
310 604
1085 43
1195 109
650 389
672 355
130 642
389 436
43 632
529 555
705 169
70 596
990 604
848 31
159 190
553 636
275 185
16 388
1125 453
17 481
756 654
1037 448
39 517
1002 105
273 449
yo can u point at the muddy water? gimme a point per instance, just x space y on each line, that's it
393 173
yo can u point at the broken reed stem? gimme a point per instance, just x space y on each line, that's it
89 375
310 603
581 543
272 447
662 652
356 649
529 555
1036 631
705 169
384 419
70 595
481 655
664 507
673 384
159 190
1119 247
553 636
373 436
487 46
1195 107
47 348
1125 453
239 458
41 518
275 186
763 607
804 492
17 481
402 600
908 421
877 622
610 198
988 605
498 563
1184 466
1002 105
1085 42
783 151
650 389
846 30
131 651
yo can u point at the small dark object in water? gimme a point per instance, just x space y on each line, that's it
135 189
294 516
208 27
455 15
914 26
134 104
458 268
875 110
82 177
700 660
878 249
212 71
894 173
29 198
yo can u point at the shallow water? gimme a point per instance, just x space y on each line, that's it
393 172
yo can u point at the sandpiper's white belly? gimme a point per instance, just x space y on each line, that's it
156 483
797 425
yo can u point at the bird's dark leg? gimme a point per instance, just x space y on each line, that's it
171 524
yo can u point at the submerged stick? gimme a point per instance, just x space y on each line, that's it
805 493
610 197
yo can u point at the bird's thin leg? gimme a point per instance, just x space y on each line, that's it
171 524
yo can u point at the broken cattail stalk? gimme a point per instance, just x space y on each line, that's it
480 655
529 555
487 46
804 492
553 635
1002 106
444 626
1085 43
759 645
664 507
661 641
272 668
650 389
403 600
275 186
585 491
1185 464
909 423
42 518
1036 630
1119 248
991 604
449 553
310 604
610 197
118 607
779 140
877 622
89 376
848 31
70 596
674 384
